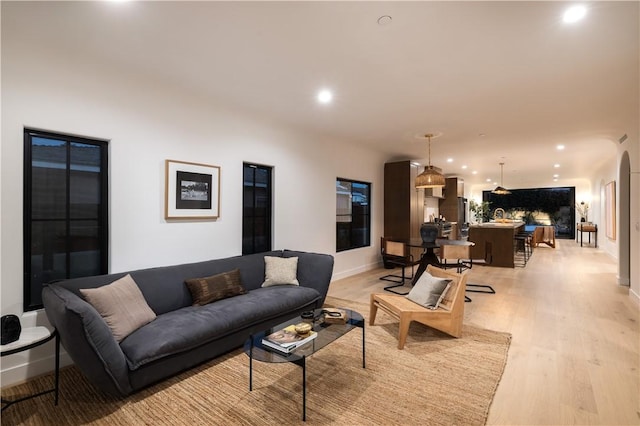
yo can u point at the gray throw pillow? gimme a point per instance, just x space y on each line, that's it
121 305
280 271
429 291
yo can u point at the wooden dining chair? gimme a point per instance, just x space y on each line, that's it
396 253
462 256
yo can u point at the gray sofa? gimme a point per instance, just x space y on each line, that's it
182 335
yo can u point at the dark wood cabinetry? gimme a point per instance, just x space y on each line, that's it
403 203
452 206
496 238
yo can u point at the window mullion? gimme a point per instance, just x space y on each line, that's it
68 213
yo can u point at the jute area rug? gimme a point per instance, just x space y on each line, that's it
435 380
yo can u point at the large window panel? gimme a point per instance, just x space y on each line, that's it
353 214
65 210
256 208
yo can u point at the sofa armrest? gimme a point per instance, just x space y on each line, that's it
87 339
314 270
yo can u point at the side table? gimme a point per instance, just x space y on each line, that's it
32 337
589 228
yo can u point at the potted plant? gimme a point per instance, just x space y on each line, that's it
480 210
583 210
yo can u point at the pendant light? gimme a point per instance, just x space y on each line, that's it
500 190
430 177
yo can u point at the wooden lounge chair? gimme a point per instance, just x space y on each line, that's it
447 318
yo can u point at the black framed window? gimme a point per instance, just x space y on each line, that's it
65 210
256 208
353 214
538 206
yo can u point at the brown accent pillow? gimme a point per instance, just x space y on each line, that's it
209 289
121 305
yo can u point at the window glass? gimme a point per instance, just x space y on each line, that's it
65 210
353 218
256 209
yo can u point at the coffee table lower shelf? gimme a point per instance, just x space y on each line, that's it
327 333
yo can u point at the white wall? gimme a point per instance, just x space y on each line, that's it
601 178
632 146
147 122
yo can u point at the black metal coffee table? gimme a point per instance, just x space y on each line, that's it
327 333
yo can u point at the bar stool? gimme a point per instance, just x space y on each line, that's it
520 245
529 243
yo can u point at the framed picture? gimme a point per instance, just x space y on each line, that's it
610 209
192 190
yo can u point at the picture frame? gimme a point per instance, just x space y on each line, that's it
192 190
610 209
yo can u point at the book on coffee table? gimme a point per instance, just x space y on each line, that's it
287 340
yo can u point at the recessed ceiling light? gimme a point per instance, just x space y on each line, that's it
325 96
475 172
555 176
449 160
555 179
560 147
556 165
574 14
385 20
464 166
488 180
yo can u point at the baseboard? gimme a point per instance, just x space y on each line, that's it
354 271
22 372
624 281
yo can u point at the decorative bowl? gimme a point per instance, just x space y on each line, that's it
307 315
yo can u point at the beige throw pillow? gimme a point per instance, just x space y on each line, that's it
280 271
429 290
209 289
122 306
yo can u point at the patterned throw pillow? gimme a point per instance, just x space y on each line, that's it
122 306
280 271
429 291
209 289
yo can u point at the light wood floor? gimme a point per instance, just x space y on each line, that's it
574 356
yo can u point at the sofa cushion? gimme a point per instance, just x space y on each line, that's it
122 306
193 326
280 271
220 286
163 287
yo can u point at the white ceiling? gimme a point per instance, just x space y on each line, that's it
512 71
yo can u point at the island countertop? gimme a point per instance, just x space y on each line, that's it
513 225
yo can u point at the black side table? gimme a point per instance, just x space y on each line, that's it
32 337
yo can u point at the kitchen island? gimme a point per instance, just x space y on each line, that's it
494 242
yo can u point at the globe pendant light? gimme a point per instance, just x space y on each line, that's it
430 177
500 190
